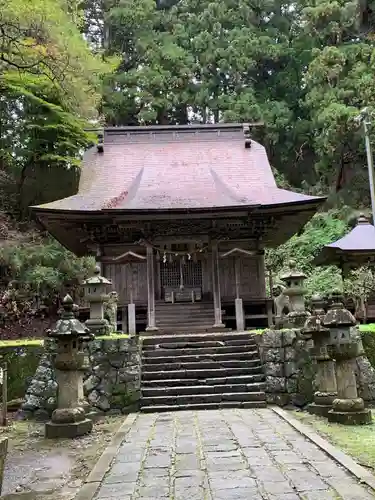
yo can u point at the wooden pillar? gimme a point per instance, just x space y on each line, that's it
216 285
132 325
98 259
151 324
240 318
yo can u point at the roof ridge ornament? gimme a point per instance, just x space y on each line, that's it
100 145
246 133
362 219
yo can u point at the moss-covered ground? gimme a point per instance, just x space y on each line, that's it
356 441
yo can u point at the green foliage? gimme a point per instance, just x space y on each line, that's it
22 362
39 38
306 68
43 265
324 228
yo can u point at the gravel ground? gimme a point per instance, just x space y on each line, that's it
37 468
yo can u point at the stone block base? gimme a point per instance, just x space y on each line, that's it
350 418
72 430
320 410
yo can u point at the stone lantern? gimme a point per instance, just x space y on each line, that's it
325 367
69 420
97 294
293 280
347 408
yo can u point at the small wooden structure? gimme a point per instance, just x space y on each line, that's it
178 217
355 249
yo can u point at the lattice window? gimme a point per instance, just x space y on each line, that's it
191 271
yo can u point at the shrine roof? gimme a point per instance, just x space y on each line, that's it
359 243
193 167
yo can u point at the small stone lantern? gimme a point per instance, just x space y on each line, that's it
97 294
325 372
347 408
69 419
294 280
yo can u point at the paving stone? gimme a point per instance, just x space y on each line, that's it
226 480
226 463
220 447
277 488
190 494
198 480
268 474
153 461
248 454
118 490
222 454
156 472
187 461
319 495
286 457
129 457
237 494
305 480
197 474
155 491
258 456
349 489
329 469
286 496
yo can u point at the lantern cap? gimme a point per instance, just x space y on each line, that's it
337 314
69 325
293 272
317 302
97 279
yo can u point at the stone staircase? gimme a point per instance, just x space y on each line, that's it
201 371
184 317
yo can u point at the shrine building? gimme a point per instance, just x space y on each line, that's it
178 218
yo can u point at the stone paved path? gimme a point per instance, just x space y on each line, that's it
223 455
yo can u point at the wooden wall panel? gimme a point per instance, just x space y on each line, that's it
252 281
123 276
227 277
250 285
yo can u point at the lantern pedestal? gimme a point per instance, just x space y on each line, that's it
69 420
325 372
326 382
347 408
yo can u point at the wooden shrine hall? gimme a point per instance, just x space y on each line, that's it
178 217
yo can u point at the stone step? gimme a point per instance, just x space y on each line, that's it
160 304
215 344
160 315
184 399
203 389
182 358
176 324
179 324
201 373
158 352
184 330
204 406
203 365
230 380
185 311
226 338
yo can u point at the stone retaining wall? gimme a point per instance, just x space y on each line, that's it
111 381
290 371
